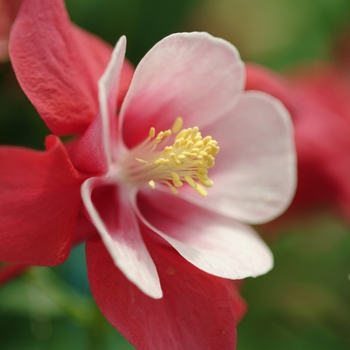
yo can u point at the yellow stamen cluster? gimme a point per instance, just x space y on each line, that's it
187 159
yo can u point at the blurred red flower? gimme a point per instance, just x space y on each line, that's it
8 12
317 97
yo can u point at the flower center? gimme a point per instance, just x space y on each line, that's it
186 160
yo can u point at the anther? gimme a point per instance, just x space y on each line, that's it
152 132
177 125
187 159
152 184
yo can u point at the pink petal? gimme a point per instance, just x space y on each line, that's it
91 153
192 75
215 244
108 87
255 172
40 200
57 65
109 210
196 311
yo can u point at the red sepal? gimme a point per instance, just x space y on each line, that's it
39 204
196 311
58 65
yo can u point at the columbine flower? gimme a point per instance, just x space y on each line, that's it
166 181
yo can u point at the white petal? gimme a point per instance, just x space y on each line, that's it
218 245
115 220
108 87
191 75
255 171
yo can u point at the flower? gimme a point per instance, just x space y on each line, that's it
166 250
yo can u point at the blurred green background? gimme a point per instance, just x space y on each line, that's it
304 303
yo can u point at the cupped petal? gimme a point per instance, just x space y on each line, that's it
110 211
196 311
255 171
192 75
215 244
57 65
40 201
92 153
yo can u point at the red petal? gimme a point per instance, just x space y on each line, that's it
40 200
196 311
325 85
111 213
84 229
57 65
88 153
240 306
98 55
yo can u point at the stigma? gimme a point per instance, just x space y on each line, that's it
172 157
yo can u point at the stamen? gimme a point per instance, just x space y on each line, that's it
186 160
177 125
176 180
151 183
152 132
191 182
173 189
201 190
141 160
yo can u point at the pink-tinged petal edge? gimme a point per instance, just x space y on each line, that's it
213 243
192 75
255 171
57 65
196 312
92 153
108 87
109 209
40 201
